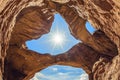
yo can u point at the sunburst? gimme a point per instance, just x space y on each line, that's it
58 38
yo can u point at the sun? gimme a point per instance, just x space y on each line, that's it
58 38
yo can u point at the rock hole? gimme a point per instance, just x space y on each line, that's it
58 40
46 45
90 28
57 72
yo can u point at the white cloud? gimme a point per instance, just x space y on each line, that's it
54 69
60 73
59 76
61 1
84 76
38 76
34 78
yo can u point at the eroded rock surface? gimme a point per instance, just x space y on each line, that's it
22 20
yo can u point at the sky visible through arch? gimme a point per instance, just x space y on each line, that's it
46 45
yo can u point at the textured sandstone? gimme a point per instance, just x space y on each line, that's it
25 63
23 20
31 24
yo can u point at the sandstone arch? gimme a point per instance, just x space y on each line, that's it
108 23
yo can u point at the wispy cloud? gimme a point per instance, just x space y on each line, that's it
84 76
61 73
59 76
54 69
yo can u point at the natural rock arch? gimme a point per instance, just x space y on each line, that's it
106 23
27 28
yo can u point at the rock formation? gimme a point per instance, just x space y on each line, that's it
22 20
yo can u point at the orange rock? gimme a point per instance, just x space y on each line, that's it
20 21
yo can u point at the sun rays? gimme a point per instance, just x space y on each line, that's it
57 41
58 38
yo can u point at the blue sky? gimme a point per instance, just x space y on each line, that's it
45 45
58 72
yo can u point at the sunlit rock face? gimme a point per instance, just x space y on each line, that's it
30 23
